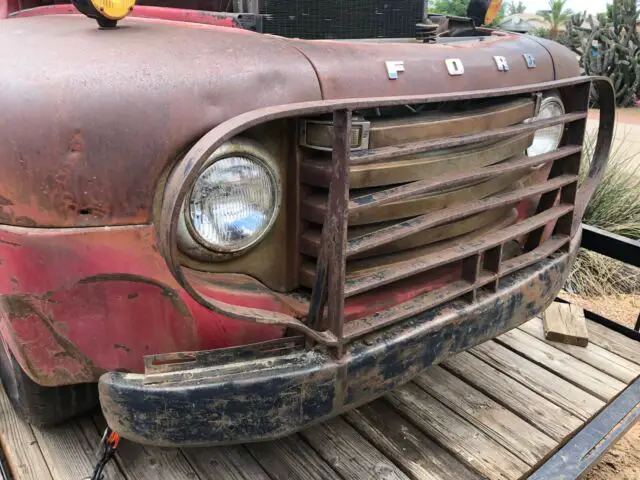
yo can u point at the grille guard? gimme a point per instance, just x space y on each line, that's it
330 286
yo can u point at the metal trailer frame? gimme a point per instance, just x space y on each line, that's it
587 446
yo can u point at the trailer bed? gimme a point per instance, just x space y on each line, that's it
499 411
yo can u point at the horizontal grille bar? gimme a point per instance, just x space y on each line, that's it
438 124
419 304
424 302
422 187
394 173
387 153
314 211
555 243
395 232
310 241
317 172
457 251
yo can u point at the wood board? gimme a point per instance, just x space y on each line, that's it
565 323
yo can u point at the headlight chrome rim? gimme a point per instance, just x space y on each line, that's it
549 100
190 241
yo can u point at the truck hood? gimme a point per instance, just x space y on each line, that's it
90 120
358 69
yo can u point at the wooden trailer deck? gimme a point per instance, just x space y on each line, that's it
497 411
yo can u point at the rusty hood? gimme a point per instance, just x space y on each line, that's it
90 120
358 69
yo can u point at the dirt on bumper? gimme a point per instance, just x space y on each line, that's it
269 397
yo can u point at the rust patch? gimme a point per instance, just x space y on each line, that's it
119 346
20 307
5 242
25 222
77 142
5 217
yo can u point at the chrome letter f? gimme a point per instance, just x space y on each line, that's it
393 68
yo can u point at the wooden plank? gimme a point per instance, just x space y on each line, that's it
415 453
533 407
290 458
225 463
20 446
141 462
350 454
571 369
565 323
466 442
614 342
519 437
70 455
596 356
555 389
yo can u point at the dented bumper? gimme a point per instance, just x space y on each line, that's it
234 396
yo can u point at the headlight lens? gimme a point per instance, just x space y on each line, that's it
233 203
547 139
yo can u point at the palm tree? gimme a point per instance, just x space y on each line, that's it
514 8
556 16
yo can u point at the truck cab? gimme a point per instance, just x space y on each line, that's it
236 234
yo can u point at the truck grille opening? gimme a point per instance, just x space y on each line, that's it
438 206
441 204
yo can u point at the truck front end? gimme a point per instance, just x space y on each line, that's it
240 235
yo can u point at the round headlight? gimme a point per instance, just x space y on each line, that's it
547 139
233 203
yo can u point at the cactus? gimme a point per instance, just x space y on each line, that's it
613 49
576 35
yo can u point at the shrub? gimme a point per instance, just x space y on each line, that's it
615 207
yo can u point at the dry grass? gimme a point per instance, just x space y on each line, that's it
595 275
622 309
615 207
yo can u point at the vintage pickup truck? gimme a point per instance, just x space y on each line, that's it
237 235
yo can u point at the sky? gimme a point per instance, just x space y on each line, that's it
591 6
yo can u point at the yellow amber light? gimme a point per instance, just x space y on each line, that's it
114 9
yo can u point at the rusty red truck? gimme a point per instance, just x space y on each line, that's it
232 235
